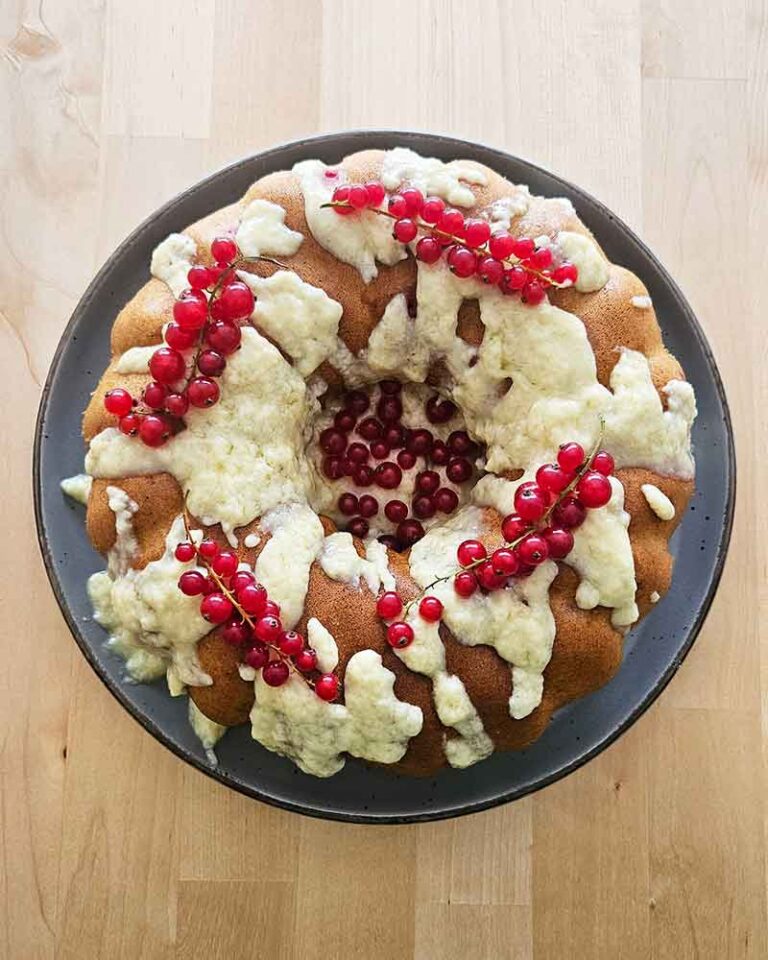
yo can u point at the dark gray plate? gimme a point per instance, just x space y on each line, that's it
654 650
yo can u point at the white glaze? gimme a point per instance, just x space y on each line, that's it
172 259
642 302
582 251
284 563
359 240
376 554
371 724
340 561
658 501
393 348
125 546
251 540
262 230
517 621
78 487
303 320
135 360
324 645
238 459
207 731
502 212
151 623
655 596
426 655
431 176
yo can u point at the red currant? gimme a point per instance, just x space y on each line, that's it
166 365
370 428
225 564
440 453
465 583
389 605
432 209
461 444
423 507
129 424
275 673
553 478
177 404
203 392
462 261
530 501
189 313
306 660
348 504
368 506
333 441
184 552
236 632
333 467
533 293
242 579
490 270
223 336
569 513
431 609
198 277
118 402
363 476
389 409
427 481
358 453
257 656
501 245
358 527
603 463
542 258
533 549
439 411
345 421
523 247
428 250
504 561
224 249
380 449
375 192
559 541
358 197
565 273
470 551
209 549
253 599
570 456
216 608
419 442
446 500
406 459
192 583
513 527
452 223
409 532
488 578
404 230
154 395
327 687
476 232
514 280
291 643
268 628
399 634
594 489
210 363
154 430
459 470
179 338
396 511
397 205
388 475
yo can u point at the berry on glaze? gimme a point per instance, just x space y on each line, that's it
430 609
399 634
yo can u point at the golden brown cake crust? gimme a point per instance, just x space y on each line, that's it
587 650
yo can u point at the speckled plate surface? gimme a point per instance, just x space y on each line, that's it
653 652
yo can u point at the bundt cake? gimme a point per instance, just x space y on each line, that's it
385 464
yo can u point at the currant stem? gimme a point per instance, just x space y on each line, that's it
429 229
543 522
233 599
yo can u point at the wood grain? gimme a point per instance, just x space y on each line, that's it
109 847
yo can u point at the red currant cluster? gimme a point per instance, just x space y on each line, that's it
548 510
206 318
231 598
514 264
381 435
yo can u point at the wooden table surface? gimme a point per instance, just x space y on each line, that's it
110 846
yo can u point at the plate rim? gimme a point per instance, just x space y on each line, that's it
246 789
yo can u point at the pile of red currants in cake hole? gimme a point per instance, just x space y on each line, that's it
374 449
547 511
206 318
516 265
232 599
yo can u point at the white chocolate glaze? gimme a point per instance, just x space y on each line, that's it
658 501
340 561
206 731
251 540
284 563
642 303
324 645
582 251
376 554
371 724
125 546
392 347
262 230
426 655
152 625
502 212
135 360
303 320
360 240
172 259
238 459
78 488
517 621
431 176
